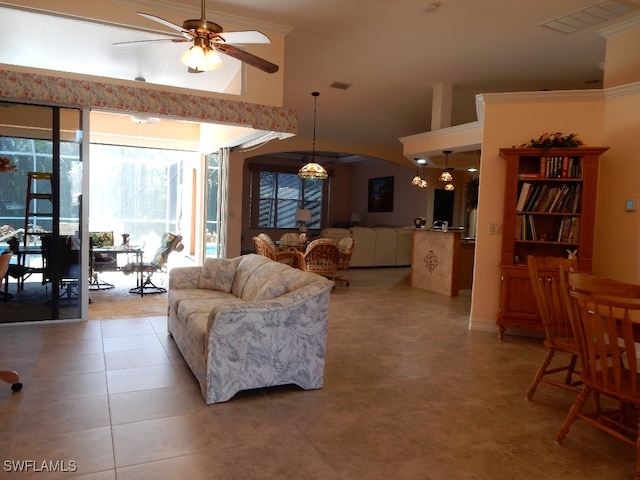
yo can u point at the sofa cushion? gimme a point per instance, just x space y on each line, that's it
218 273
264 281
246 268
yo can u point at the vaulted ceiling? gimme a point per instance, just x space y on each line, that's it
376 63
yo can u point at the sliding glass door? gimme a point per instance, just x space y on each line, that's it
41 212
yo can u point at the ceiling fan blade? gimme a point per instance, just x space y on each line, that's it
158 40
249 36
246 57
164 22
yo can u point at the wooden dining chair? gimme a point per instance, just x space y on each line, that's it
545 280
597 285
605 334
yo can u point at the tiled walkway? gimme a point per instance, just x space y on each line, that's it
410 393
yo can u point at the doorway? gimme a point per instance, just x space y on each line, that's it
41 212
443 202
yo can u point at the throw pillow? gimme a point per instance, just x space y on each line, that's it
218 273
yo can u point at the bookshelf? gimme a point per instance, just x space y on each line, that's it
550 201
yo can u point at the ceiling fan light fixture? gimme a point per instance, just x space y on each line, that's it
194 57
212 60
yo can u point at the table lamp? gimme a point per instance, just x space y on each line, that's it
303 216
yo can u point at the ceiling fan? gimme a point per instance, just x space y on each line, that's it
208 38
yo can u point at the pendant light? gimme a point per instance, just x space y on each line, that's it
419 180
313 170
446 176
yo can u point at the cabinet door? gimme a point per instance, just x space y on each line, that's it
517 302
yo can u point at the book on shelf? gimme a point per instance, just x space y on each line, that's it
532 229
533 195
529 176
522 199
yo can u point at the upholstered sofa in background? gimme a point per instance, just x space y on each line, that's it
249 322
376 246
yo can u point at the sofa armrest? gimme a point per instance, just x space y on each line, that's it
184 277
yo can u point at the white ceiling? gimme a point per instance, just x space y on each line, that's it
393 54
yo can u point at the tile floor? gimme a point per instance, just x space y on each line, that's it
410 393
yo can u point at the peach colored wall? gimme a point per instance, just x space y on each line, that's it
622 53
509 120
617 240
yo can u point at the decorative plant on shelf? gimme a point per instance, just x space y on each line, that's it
471 192
554 140
5 165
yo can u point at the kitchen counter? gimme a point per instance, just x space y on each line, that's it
440 261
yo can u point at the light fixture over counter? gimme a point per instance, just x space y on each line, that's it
446 176
313 170
419 180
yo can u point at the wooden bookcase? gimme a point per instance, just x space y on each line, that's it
557 215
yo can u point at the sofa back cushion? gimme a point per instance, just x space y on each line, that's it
248 265
218 273
259 278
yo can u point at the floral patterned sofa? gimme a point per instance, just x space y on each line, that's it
249 322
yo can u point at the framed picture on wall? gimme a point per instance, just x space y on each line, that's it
381 194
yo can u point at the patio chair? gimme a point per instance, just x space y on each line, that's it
170 242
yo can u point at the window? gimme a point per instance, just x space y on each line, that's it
211 234
276 194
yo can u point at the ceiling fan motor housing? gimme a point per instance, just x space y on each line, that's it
202 26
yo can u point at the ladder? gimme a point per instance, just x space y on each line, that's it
39 202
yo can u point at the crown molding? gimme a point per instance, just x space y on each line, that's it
620 28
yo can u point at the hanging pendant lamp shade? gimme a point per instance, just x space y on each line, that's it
313 170
417 180
446 176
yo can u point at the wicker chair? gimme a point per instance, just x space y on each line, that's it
290 239
322 256
545 280
265 247
346 245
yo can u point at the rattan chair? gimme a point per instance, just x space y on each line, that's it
8 376
346 245
606 334
545 280
267 248
322 256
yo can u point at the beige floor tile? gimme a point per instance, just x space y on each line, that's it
409 393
